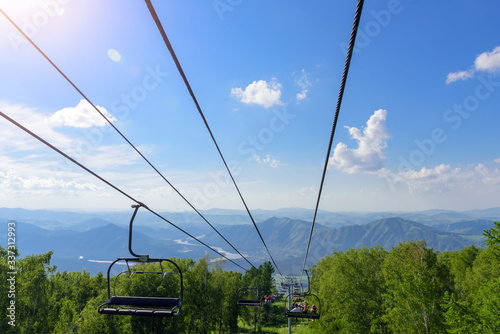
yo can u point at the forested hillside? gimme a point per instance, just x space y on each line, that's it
47 301
410 288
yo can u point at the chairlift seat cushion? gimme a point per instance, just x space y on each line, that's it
249 302
301 315
144 301
140 312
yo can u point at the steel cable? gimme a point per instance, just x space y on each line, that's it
355 25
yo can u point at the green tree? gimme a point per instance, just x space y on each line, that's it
492 236
33 293
350 286
415 283
474 305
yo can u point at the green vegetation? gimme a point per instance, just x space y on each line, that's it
47 301
411 289
408 289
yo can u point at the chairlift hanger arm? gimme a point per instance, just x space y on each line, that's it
142 258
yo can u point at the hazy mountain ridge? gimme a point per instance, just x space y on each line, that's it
473 227
58 219
105 237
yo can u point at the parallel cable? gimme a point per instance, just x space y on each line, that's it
355 25
188 86
109 183
121 134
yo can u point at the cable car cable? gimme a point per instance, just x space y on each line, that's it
188 86
109 183
355 25
121 134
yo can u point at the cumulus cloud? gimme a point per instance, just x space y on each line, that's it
262 93
488 176
14 139
81 116
486 62
460 75
369 155
443 178
437 180
273 163
304 84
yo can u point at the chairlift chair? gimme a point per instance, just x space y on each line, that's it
309 315
141 305
245 292
307 296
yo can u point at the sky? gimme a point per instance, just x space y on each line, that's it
417 130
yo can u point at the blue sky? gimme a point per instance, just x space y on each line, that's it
418 127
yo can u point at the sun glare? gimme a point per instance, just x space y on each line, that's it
114 55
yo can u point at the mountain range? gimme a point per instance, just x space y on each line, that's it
91 240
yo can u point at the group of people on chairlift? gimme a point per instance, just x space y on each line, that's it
301 306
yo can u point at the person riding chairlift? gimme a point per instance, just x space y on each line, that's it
296 309
314 310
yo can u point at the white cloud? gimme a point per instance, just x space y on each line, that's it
307 191
273 163
488 176
15 139
198 237
486 62
436 180
12 181
304 84
369 155
497 160
443 178
83 149
111 156
262 93
232 256
181 242
81 116
460 75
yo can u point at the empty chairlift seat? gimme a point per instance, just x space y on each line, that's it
156 306
249 296
142 305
